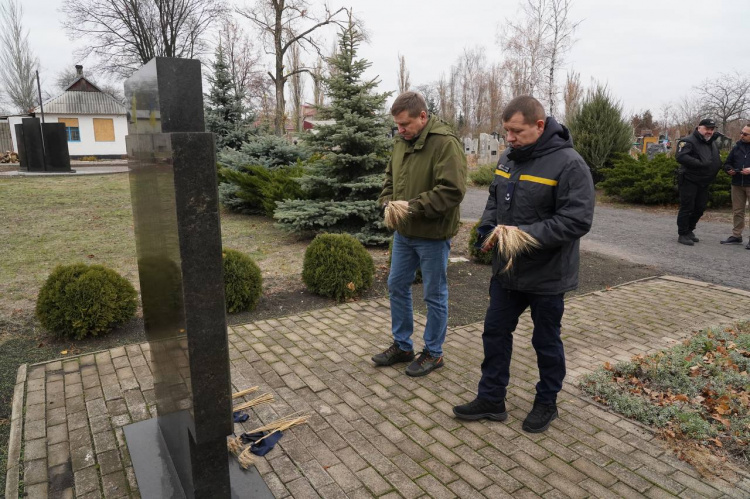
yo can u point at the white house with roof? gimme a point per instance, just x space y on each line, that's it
95 122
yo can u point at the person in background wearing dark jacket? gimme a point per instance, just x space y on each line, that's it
543 187
738 166
428 169
698 156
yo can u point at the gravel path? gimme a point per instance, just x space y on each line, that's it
651 239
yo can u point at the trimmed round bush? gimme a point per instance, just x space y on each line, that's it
337 266
243 282
475 253
81 300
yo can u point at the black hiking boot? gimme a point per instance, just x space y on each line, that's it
685 239
693 237
392 355
540 417
424 364
481 409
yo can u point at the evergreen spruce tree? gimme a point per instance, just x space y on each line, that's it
224 112
343 185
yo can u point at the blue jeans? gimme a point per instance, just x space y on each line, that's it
506 306
432 257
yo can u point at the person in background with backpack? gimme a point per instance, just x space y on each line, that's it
737 165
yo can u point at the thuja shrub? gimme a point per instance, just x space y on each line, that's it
80 300
644 181
477 254
337 266
243 282
483 175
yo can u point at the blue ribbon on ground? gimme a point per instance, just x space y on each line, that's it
264 446
240 417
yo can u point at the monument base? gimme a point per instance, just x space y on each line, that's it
157 476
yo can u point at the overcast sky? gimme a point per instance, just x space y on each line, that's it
648 53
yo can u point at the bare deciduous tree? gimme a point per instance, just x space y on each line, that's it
726 97
244 65
317 77
535 48
403 75
283 24
572 95
65 77
125 34
296 87
560 31
17 63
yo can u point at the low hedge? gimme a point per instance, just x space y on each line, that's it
644 181
337 266
243 282
81 300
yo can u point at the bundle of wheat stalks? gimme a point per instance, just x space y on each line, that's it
395 213
511 242
245 457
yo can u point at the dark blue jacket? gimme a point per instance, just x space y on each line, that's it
739 158
698 158
548 194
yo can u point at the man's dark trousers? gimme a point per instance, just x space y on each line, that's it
693 201
506 306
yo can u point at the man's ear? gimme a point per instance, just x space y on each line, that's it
540 125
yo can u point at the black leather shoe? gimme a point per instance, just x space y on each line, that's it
693 237
540 417
481 409
685 240
392 355
732 240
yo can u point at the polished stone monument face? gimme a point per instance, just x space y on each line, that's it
178 238
30 145
56 153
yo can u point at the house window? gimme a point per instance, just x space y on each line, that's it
71 128
104 130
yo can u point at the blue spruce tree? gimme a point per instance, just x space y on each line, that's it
343 185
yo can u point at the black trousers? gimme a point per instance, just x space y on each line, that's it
693 201
505 308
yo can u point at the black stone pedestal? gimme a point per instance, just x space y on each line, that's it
157 475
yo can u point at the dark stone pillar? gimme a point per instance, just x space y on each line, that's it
30 145
178 238
56 154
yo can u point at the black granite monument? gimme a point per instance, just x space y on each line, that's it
183 451
30 145
56 153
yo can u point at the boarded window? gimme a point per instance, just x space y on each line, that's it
71 128
104 130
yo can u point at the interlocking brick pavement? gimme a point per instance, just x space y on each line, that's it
376 431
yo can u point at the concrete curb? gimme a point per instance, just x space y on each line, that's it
16 431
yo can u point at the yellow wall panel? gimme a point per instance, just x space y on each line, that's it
104 130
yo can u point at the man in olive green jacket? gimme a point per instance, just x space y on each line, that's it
427 169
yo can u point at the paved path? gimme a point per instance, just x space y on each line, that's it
651 239
376 432
79 168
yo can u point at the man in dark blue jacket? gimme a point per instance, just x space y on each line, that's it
738 166
698 156
543 187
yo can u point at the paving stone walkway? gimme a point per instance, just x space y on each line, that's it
378 433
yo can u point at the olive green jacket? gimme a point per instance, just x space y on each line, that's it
430 173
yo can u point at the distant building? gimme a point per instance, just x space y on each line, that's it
95 122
